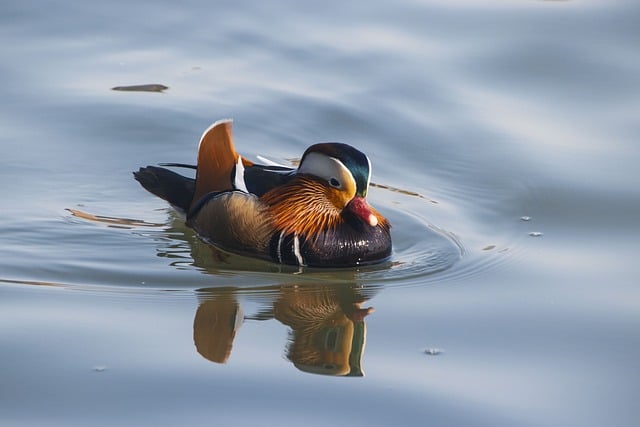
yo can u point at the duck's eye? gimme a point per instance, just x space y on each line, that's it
334 183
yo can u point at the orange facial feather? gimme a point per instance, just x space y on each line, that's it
306 207
303 206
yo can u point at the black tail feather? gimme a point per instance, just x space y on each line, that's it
168 185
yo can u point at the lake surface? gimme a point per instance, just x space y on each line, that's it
504 142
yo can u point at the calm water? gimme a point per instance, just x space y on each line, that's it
510 127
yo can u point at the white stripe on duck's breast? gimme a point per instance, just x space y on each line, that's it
296 250
279 247
287 249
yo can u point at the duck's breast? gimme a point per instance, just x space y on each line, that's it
345 246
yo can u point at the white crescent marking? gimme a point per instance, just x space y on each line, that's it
238 181
296 250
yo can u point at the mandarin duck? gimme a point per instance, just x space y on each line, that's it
314 215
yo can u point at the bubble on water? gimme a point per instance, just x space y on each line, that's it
432 351
525 218
536 234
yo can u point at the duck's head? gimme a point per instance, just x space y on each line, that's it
346 173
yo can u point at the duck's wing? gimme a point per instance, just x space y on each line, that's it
220 167
217 164
259 179
217 160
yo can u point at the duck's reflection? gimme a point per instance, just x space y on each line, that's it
326 319
328 331
327 325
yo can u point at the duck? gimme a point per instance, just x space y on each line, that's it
314 215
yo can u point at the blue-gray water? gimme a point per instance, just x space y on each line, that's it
511 298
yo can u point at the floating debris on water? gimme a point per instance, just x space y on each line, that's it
142 88
111 221
401 191
489 247
536 234
525 218
433 351
99 368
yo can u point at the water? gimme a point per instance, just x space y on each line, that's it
509 127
